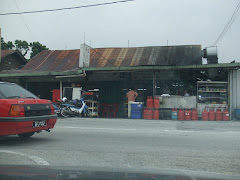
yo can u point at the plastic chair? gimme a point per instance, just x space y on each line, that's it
105 110
110 110
115 109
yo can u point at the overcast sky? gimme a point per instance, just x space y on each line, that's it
142 22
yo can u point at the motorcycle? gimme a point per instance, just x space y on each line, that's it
57 106
72 108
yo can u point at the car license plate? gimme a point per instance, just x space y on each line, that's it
39 123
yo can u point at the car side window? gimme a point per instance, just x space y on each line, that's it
1 95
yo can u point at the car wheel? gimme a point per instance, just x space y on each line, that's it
62 112
26 135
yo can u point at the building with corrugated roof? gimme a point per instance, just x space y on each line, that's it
113 71
11 60
65 60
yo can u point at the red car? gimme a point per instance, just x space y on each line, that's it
23 113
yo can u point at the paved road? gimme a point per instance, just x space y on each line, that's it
198 146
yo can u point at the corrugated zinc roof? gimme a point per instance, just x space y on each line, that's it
64 60
6 52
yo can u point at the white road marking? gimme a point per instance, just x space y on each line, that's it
87 128
207 131
36 159
117 129
180 131
164 131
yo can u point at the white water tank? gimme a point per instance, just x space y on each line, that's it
211 54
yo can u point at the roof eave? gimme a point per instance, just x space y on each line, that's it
157 67
131 68
31 74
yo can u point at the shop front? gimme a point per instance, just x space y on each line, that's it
104 89
180 88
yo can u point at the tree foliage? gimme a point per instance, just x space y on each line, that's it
24 47
37 47
6 45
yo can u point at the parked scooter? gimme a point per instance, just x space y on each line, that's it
72 108
57 106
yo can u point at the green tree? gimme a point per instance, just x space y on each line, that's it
22 46
37 47
6 45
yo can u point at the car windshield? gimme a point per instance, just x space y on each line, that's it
121 84
8 91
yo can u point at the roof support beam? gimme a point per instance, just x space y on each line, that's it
28 74
119 69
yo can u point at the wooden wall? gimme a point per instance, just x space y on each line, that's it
11 62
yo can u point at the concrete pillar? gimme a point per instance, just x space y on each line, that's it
154 83
61 94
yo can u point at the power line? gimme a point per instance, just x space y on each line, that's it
68 8
23 20
102 56
228 25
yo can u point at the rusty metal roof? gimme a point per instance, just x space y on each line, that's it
6 52
67 60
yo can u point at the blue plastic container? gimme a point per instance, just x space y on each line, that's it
174 115
136 114
136 107
237 113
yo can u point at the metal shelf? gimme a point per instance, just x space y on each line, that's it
217 91
212 85
213 91
212 82
93 108
212 104
213 98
